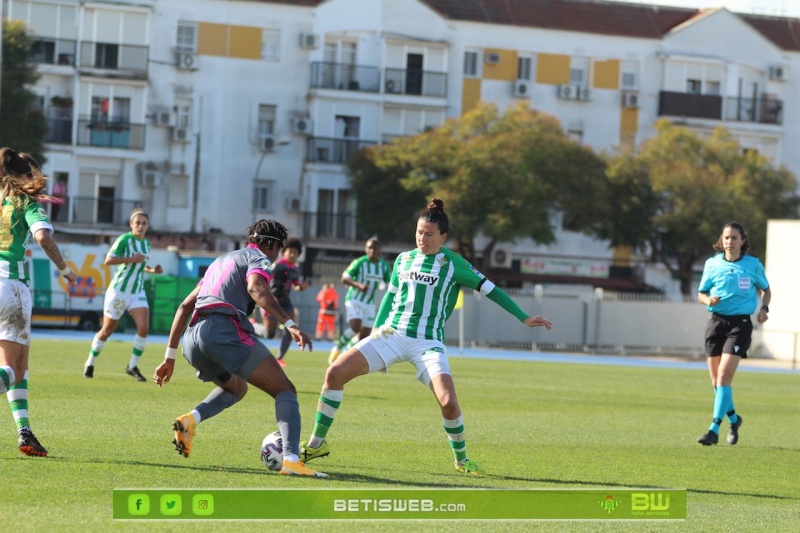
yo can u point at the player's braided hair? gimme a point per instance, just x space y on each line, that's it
267 232
436 215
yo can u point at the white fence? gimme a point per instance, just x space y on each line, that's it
588 322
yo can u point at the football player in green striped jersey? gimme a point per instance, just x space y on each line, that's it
22 215
126 292
421 295
364 277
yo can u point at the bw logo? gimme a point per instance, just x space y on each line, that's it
649 502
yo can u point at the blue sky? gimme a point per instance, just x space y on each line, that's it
788 8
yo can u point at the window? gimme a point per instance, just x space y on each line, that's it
271 45
579 71
187 37
694 86
183 111
712 87
471 64
262 196
630 76
106 55
266 119
524 68
105 109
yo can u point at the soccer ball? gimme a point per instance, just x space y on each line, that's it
272 451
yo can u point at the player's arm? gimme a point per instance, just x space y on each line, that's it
259 291
164 371
388 297
350 282
499 296
48 244
468 276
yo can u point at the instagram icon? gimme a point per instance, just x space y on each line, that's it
202 504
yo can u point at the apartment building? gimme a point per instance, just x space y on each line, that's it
214 113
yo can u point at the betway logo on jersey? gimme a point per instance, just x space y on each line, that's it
418 277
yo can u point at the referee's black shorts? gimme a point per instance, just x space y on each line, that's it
728 334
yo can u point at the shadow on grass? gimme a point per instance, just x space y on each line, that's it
602 485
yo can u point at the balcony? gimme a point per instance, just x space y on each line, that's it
415 82
764 110
111 56
52 51
59 130
88 210
334 150
110 134
331 227
345 77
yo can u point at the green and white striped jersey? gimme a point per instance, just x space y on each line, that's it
424 290
16 226
129 277
362 270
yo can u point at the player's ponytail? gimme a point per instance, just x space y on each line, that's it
435 214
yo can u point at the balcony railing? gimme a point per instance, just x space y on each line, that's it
333 150
52 51
331 226
345 77
415 82
114 56
764 110
59 130
97 210
110 134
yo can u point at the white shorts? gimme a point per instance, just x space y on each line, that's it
15 311
117 302
360 311
386 347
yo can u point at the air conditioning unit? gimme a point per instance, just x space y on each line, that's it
500 258
630 99
492 58
180 135
293 203
150 178
309 41
187 61
266 143
583 93
567 92
164 117
522 89
302 126
778 72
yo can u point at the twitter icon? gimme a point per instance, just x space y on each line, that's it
171 504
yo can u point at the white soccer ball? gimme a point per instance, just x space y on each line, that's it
272 451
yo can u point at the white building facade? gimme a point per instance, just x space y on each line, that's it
213 113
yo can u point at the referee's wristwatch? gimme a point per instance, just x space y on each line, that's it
765 308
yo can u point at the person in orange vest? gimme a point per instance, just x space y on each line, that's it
328 300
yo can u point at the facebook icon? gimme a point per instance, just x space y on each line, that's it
138 504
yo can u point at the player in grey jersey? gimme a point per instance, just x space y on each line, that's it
409 327
220 343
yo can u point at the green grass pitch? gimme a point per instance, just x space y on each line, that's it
530 425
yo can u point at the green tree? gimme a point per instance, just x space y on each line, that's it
501 176
22 125
679 189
